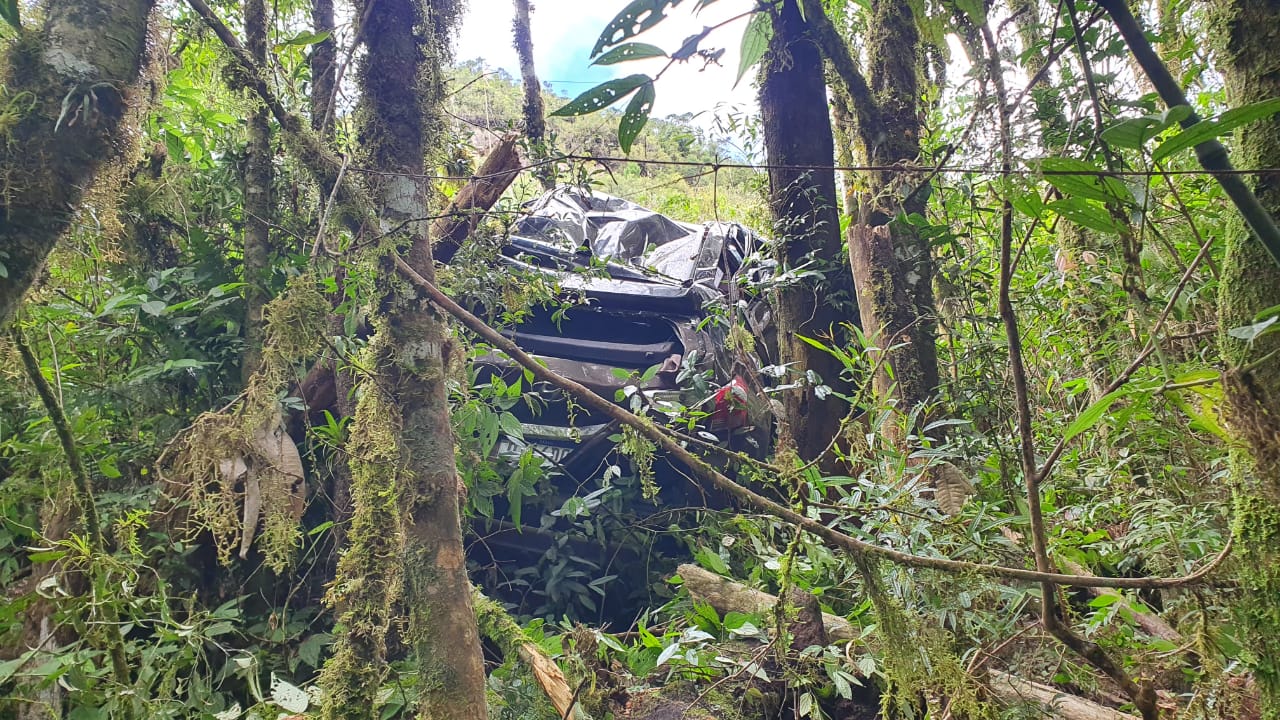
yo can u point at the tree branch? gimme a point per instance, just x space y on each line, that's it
1212 155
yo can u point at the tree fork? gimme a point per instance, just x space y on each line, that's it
90 50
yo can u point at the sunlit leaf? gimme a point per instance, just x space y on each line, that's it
1206 130
636 115
602 96
1078 178
1086 214
630 51
634 19
1092 414
755 42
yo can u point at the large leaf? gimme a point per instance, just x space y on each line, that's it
1086 214
634 19
602 95
1092 414
1133 133
630 51
1206 130
1077 178
755 42
636 115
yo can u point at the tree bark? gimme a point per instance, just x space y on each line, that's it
87 59
1250 64
257 199
535 123
904 312
401 88
324 67
892 264
797 132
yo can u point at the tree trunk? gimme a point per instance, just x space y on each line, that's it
1250 63
896 296
797 132
535 123
88 59
324 67
401 88
257 199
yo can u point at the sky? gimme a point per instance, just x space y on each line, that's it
564 31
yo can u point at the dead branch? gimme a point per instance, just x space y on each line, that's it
728 596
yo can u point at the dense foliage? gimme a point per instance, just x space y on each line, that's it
1065 214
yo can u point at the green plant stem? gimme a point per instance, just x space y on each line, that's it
84 494
79 476
1211 153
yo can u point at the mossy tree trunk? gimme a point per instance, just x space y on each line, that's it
257 199
535 122
401 88
88 58
892 264
801 153
1250 284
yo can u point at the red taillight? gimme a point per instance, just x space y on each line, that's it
730 406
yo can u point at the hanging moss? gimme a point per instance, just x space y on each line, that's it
224 454
916 659
369 577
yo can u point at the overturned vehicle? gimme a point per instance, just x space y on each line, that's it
652 313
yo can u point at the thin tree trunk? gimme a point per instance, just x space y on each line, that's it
892 265
257 199
324 62
535 123
797 132
1250 55
401 81
894 59
90 52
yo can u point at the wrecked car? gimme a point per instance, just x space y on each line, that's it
646 321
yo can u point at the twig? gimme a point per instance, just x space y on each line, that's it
328 206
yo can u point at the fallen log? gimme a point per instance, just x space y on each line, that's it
728 596
469 205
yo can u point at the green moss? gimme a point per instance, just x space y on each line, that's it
369 577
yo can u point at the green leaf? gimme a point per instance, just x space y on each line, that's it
634 19
1206 130
1132 133
1249 333
1092 415
602 96
1078 178
154 307
9 12
636 115
975 9
303 39
1086 214
755 42
45 556
630 51
107 466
